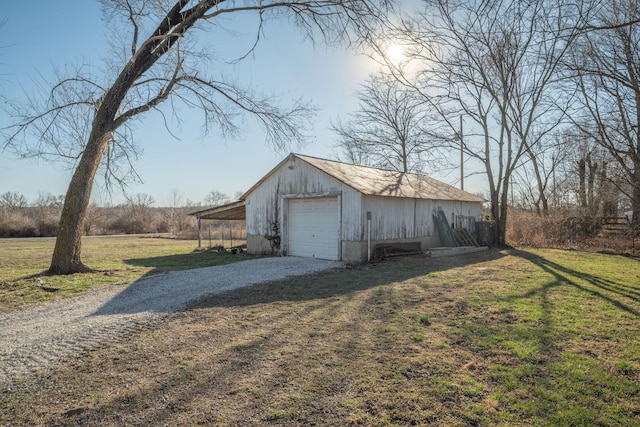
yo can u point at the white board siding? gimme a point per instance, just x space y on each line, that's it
398 218
454 208
402 218
300 179
393 218
313 227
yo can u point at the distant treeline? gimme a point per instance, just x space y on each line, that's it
19 218
578 228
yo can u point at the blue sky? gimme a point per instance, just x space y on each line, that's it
40 35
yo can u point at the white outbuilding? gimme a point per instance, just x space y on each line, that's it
311 207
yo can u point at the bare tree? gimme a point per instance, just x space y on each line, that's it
544 168
590 24
606 68
89 119
12 201
496 63
390 130
176 213
138 214
46 213
216 198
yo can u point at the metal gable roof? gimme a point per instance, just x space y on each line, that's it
379 182
367 180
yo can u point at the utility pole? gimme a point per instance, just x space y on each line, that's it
461 156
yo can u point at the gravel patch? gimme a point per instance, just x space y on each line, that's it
37 337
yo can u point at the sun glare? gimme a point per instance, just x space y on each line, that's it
395 53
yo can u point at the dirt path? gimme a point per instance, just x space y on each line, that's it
37 337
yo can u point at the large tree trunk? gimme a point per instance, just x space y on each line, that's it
498 212
635 219
66 254
582 174
501 224
591 194
542 183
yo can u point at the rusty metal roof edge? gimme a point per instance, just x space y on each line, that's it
221 208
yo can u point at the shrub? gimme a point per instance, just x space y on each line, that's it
424 320
567 230
17 225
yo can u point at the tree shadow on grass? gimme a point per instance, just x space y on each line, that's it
541 365
247 350
248 369
195 259
174 290
340 282
604 288
258 345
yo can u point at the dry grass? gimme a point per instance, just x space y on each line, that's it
495 338
560 230
114 259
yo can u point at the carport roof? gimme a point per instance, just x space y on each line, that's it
380 182
230 211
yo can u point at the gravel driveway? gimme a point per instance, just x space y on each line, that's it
36 337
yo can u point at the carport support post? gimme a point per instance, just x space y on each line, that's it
368 236
461 156
199 240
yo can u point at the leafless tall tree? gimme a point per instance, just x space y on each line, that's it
139 213
606 68
216 198
392 128
496 63
175 214
89 118
12 201
550 158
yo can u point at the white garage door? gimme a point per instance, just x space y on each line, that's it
313 227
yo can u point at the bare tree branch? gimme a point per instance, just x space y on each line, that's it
392 129
92 122
497 63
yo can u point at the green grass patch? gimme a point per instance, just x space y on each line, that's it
540 337
424 320
121 259
417 337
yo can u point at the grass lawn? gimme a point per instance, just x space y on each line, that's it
503 337
121 259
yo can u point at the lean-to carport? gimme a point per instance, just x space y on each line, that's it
230 212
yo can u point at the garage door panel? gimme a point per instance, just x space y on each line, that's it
313 226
